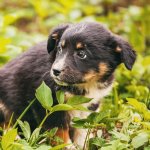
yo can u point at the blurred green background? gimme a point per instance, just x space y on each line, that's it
26 22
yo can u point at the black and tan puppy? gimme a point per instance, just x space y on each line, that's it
78 58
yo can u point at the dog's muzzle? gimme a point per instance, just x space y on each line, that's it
55 74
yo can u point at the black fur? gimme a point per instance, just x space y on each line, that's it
20 77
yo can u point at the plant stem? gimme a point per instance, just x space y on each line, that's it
87 136
10 121
116 98
47 114
22 114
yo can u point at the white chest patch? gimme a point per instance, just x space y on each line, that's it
95 93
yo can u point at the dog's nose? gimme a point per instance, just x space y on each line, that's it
56 72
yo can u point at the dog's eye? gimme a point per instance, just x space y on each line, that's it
59 49
81 54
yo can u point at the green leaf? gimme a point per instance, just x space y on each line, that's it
98 117
97 141
8 138
77 100
79 123
16 146
43 147
112 145
62 107
147 148
146 125
59 147
139 106
80 107
34 136
60 97
52 132
44 96
58 140
25 127
25 144
92 117
139 140
101 115
120 136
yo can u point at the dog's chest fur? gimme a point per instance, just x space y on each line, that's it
96 93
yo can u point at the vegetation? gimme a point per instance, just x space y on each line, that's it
124 119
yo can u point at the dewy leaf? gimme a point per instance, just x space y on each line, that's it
62 107
44 96
8 138
60 97
77 100
25 127
139 140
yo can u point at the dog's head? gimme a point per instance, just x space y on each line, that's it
87 52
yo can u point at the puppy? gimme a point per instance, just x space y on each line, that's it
79 59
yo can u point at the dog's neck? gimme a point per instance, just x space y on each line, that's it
96 94
94 90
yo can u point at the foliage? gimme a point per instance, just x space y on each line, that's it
123 122
127 127
36 139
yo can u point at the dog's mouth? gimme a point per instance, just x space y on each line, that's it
67 80
60 82
64 83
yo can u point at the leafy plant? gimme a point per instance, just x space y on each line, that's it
44 95
123 122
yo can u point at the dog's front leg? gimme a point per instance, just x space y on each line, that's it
80 137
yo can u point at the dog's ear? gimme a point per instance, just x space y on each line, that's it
124 49
55 36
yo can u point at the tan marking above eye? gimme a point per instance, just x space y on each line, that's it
63 43
118 49
103 68
54 36
79 45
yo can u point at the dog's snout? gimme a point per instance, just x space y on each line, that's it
56 72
